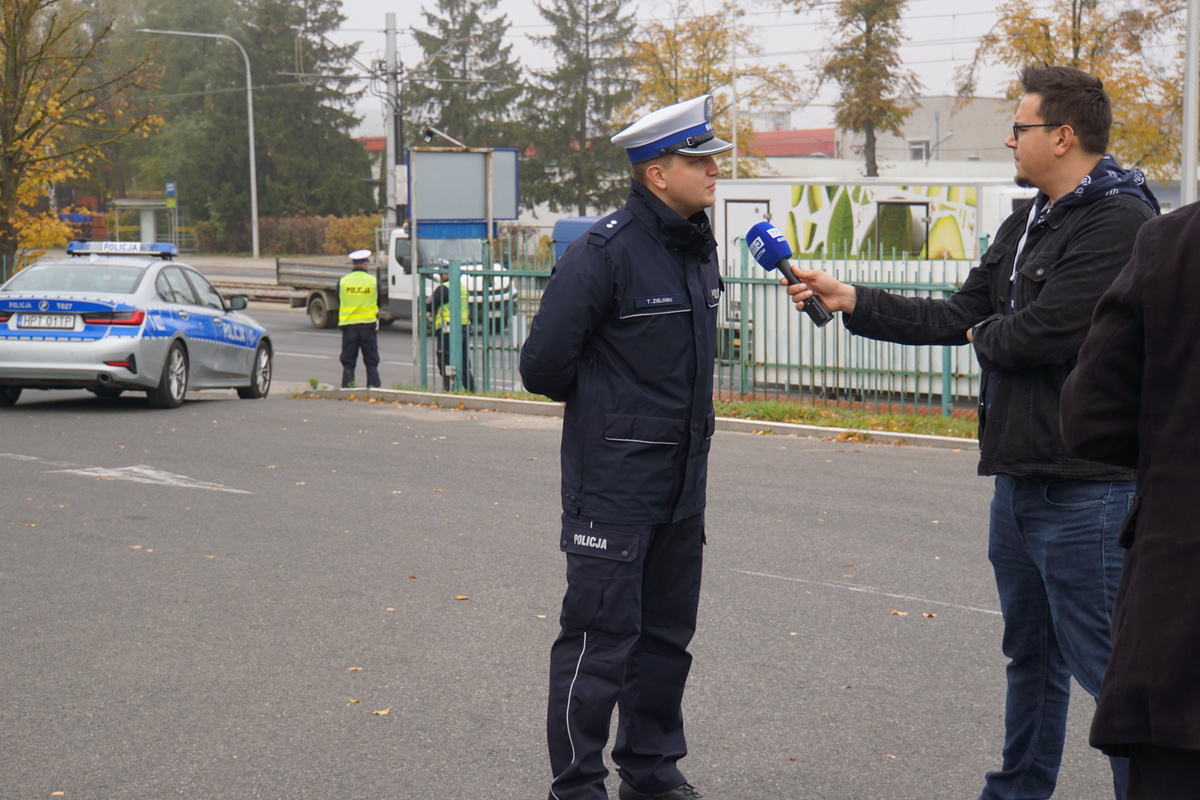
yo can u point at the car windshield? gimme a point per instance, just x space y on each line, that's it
469 252
75 276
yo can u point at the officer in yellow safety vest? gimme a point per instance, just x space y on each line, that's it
439 305
358 317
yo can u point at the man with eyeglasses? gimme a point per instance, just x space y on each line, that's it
1027 308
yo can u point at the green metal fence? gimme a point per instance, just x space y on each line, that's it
768 350
765 348
502 303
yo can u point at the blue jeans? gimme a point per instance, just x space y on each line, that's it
1053 546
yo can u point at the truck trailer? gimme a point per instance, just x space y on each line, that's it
866 218
490 292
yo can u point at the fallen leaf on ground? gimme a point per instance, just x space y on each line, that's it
899 613
461 597
383 713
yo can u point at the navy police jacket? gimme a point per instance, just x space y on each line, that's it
626 337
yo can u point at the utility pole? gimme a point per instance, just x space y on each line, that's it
1191 93
733 35
393 114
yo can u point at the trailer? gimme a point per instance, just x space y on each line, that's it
866 218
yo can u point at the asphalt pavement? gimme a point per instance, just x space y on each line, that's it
342 600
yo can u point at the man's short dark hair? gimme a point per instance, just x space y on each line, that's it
1072 97
638 171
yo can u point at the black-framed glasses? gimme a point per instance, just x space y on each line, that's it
1018 128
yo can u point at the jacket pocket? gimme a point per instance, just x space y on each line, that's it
642 430
1129 526
1037 267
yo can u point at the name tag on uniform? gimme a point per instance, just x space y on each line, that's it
658 301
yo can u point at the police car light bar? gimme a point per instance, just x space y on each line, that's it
163 250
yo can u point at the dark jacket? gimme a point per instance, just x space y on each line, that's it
1069 259
626 337
1132 402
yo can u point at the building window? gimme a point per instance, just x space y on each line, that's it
918 149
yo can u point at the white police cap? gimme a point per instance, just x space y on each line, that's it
360 255
684 128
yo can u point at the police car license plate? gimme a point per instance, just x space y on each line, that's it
46 321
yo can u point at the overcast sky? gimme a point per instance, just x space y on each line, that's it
939 41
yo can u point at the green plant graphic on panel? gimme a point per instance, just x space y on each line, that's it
840 237
881 220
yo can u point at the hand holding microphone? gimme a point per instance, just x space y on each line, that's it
771 250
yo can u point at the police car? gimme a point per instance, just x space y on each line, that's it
112 317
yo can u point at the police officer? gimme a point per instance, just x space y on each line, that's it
358 317
438 306
626 337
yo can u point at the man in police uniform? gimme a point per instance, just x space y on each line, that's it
438 307
358 317
625 337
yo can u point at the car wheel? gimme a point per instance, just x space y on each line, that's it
319 314
108 392
173 383
260 378
9 395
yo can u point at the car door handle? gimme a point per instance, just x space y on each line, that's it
218 321
184 315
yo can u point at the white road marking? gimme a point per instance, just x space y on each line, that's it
870 590
135 474
304 355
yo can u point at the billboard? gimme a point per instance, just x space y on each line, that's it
450 185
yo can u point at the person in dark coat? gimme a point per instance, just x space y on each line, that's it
626 337
1132 401
1052 532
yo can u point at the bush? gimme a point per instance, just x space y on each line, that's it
211 238
300 235
348 234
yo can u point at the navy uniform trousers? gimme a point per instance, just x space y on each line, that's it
627 618
355 337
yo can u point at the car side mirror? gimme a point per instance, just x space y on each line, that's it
238 302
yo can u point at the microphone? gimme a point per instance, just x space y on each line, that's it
771 250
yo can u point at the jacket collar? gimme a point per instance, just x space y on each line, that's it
693 235
1106 179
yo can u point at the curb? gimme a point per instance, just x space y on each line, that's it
545 408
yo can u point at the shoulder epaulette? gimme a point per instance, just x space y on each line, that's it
603 230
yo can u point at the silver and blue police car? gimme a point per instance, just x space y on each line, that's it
112 317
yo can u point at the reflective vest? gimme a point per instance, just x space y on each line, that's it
442 317
358 298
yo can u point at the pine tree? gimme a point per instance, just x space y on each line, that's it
468 83
572 109
306 159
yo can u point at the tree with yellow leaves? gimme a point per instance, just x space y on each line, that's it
864 61
1135 48
688 55
60 103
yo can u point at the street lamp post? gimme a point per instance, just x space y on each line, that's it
249 119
